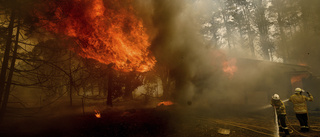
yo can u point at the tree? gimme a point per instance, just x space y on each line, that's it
5 61
9 79
263 26
243 18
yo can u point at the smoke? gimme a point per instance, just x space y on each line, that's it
305 50
197 67
178 45
301 45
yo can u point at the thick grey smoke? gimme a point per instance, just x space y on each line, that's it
304 50
177 44
197 68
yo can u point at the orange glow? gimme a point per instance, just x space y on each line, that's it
229 67
302 64
97 113
221 60
298 79
107 31
165 103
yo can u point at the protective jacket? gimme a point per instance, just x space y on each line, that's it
279 105
299 103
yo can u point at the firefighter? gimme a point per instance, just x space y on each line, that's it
300 107
281 113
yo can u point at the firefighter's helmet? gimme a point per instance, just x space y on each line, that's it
298 90
276 97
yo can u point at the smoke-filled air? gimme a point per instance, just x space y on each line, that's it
159 68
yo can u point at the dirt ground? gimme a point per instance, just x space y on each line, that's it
169 121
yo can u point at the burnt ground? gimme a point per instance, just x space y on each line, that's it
171 121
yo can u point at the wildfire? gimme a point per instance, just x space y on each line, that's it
165 103
98 115
107 31
229 67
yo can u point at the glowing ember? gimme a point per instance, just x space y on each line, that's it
97 113
229 67
107 31
165 103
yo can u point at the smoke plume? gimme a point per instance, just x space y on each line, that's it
197 67
177 44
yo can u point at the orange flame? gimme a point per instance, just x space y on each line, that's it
221 60
165 103
296 81
106 31
229 67
98 115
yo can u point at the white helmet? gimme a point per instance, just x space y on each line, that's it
298 90
276 97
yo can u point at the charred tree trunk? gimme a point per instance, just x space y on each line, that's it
78 91
70 80
105 86
13 61
70 89
129 83
110 88
165 84
92 89
6 55
100 88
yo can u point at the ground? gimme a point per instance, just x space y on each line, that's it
171 121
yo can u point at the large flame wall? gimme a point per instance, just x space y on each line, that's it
108 32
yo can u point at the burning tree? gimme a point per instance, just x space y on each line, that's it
106 31
108 34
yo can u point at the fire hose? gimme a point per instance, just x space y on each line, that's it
277 125
276 121
295 129
298 131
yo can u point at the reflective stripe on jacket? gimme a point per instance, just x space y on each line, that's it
299 103
279 105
